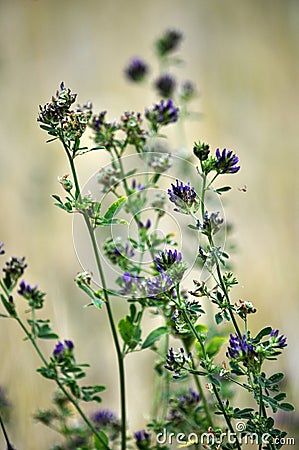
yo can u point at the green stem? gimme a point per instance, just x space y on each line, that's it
211 242
119 353
202 394
107 302
73 169
227 419
9 446
66 393
166 384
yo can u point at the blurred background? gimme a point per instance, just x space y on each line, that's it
243 58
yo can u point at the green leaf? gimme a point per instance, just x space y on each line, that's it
245 413
154 336
97 302
215 345
193 227
115 221
264 332
56 197
89 393
286 406
114 208
202 329
214 381
218 318
279 397
276 378
102 442
223 189
129 332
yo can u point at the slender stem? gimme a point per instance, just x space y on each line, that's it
120 357
165 385
211 242
107 301
9 446
66 393
202 394
199 339
227 419
73 169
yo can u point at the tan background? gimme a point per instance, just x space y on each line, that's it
243 56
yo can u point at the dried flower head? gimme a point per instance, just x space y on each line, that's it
53 112
14 269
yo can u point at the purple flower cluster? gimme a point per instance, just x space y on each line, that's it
241 349
137 186
175 361
226 162
139 287
184 197
166 259
144 226
104 417
278 340
165 85
136 70
142 438
33 294
63 350
162 113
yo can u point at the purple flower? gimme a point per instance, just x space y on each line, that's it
162 113
165 85
136 187
146 226
146 288
184 197
189 400
136 70
33 294
98 121
226 162
142 438
130 283
158 284
166 259
63 350
1 248
278 341
104 417
175 361
241 350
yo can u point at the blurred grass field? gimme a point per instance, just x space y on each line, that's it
243 57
